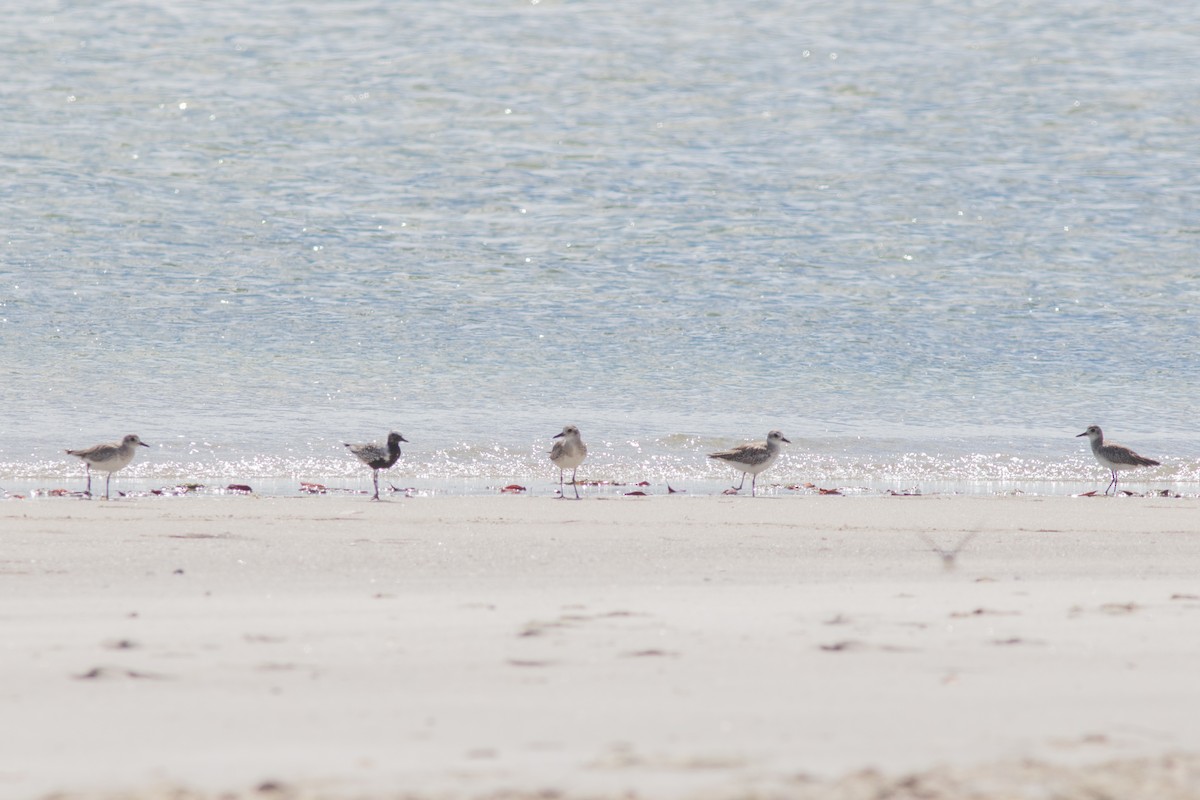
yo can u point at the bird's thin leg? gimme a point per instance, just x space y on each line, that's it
375 475
106 482
741 483
88 467
561 494
573 483
1113 484
753 484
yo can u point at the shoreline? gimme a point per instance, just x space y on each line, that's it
292 486
714 647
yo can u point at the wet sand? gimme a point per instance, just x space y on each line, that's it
676 647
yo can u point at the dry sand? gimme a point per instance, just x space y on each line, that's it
681 647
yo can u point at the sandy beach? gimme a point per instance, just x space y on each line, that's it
661 647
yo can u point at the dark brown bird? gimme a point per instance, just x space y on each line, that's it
378 457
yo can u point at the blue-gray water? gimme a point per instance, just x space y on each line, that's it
930 241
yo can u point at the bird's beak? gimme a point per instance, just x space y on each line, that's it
557 436
404 440
143 444
1080 434
789 441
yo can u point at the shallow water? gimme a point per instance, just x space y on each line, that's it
931 242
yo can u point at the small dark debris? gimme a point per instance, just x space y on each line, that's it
980 612
121 644
96 673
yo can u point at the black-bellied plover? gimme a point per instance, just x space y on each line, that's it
108 458
568 454
752 458
378 457
1114 456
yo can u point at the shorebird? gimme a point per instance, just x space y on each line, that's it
1114 456
949 557
752 458
108 458
568 454
377 456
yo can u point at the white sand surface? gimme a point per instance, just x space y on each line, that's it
673 647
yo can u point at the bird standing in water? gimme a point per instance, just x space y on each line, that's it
568 454
1114 456
108 458
752 458
378 457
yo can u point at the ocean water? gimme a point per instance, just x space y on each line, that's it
930 241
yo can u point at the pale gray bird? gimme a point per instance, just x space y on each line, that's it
108 458
1114 456
568 454
378 457
752 458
